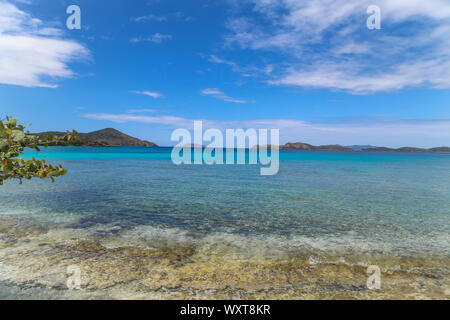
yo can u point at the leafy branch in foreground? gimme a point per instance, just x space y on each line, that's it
13 141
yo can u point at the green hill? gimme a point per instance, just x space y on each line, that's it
108 137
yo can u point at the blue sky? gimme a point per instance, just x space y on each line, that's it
310 68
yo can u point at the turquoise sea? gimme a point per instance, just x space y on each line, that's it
141 227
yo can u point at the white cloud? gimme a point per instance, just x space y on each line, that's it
248 71
212 91
216 93
217 60
30 53
155 38
183 16
150 17
141 110
394 133
153 17
152 94
124 118
325 43
341 76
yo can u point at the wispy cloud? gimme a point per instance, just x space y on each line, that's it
30 52
141 110
391 133
216 93
247 71
124 118
234 66
326 44
158 18
150 17
155 38
180 122
152 94
183 16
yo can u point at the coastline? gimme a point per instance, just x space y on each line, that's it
155 263
110 137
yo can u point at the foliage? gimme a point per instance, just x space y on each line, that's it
13 141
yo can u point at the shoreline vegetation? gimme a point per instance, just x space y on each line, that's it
110 137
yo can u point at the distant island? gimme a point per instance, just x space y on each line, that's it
336 147
305 146
108 137
410 149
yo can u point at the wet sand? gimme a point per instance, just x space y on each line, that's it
150 262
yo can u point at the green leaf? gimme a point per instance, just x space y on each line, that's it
17 135
12 122
13 142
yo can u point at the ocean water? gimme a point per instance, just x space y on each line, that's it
139 226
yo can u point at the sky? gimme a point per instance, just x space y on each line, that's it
310 68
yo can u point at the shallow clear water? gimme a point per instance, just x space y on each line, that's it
355 205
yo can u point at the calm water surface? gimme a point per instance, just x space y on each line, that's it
349 207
